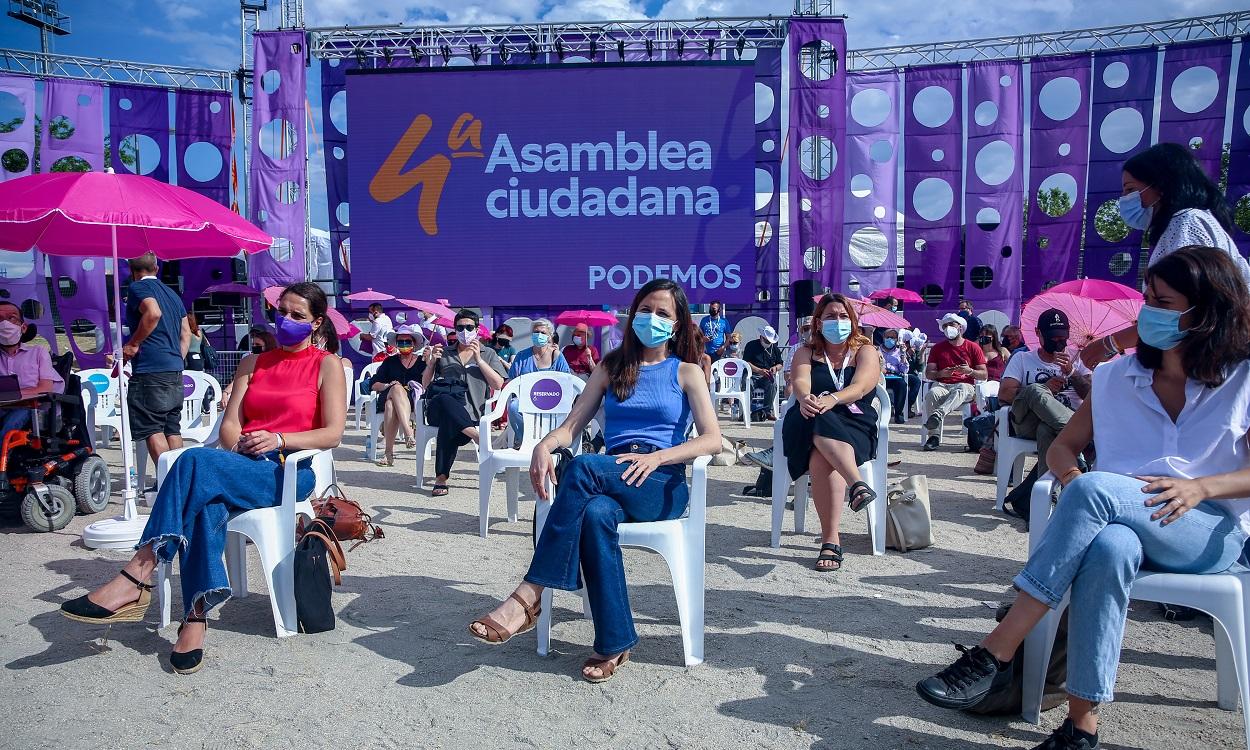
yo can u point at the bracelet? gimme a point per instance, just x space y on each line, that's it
281 441
1066 474
1110 348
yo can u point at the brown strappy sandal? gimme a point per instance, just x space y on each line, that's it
497 634
83 609
606 667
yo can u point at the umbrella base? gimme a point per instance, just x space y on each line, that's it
114 533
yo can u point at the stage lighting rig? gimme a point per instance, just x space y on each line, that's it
388 53
475 52
360 58
560 49
594 48
620 49
533 48
681 46
711 47
445 51
503 52
416 53
742 45
650 48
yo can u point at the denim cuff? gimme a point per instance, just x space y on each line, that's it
1034 588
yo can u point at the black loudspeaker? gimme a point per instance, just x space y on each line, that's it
802 293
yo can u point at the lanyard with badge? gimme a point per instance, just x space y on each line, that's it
838 378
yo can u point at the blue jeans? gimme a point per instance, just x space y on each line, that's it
1098 538
516 422
581 534
201 490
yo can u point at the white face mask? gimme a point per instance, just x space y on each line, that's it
952 332
466 337
10 333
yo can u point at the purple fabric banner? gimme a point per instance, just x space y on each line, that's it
17 126
932 176
1123 108
994 190
23 281
1195 100
766 232
276 190
202 151
1059 156
870 234
73 140
1239 159
139 131
334 140
817 140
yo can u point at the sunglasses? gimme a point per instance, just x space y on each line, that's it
466 327
405 343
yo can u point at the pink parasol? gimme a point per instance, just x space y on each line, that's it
437 309
592 318
102 214
1095 289
369 295
344 328
898 293
1088 319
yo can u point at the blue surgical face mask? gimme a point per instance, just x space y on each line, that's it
652 330
835 331
539 339
1133 212
890 343
1160 328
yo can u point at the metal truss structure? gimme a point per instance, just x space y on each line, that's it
26 62
1222 26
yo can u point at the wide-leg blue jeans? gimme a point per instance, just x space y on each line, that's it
580 533
201 490
1098 538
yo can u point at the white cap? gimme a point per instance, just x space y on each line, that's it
953 319
769 334
414 331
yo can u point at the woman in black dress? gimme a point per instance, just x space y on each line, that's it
834 428
391 381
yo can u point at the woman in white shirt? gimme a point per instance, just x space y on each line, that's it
1167 195
1171 489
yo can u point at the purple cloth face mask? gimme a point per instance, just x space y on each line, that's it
290 332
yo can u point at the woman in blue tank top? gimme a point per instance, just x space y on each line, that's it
650 388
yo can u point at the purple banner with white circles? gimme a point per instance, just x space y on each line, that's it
994 192
614 176
870 234
23 281
1239 158
1122 111
768 187
334 140
17 127
1194 100
1058 157
202 153
276 190
932 177
139 131
817 139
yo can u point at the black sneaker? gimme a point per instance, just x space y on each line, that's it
932 443
964 683
933 422
1068 737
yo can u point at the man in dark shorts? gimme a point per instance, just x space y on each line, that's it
159 337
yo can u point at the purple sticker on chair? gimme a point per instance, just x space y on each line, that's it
547 394
731 368
188 386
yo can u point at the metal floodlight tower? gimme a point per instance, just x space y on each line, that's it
813 7
44 15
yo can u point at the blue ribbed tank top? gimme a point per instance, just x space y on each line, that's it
657 412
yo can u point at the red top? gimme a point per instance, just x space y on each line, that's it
579 358
282 395
995 366
945 354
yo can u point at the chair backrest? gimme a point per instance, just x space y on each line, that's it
350 375
367 372
195 386
100 380
729 375
544 400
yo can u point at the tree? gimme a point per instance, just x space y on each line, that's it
1108 224
1054 202
9 126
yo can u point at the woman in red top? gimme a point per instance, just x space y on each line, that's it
289 399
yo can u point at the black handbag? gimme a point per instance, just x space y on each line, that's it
317 557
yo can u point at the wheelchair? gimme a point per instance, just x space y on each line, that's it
50 471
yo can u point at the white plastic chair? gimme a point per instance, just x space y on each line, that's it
104 416
349 374
682 543
271 530
365 399
875 473
1224 596
1009 463
544 400
426 437
196 427
731 381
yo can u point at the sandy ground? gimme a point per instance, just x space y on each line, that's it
795 658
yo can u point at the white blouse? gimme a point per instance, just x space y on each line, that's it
1134 435
1194 226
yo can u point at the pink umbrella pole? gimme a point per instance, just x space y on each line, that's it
130 512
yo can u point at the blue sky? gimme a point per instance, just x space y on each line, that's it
206 33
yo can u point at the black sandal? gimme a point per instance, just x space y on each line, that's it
439 490
83 609
188 662
858 492
829 551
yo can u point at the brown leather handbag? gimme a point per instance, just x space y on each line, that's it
345 517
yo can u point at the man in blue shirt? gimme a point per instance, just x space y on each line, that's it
156 351
716 329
